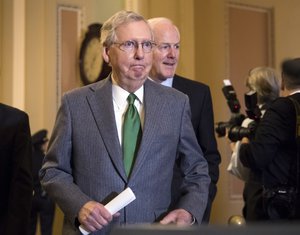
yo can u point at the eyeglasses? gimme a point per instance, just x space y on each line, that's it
131 45
165 47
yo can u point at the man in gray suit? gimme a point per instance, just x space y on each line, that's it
84 165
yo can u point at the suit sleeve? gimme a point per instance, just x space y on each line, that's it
21 189
207 139
195 185
56 172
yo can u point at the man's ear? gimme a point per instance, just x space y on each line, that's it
105 54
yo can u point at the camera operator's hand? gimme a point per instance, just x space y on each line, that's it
228 133
245 140
232 146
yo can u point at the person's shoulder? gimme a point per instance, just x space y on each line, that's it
286 103
85 89
12 111
11 116
161 90
189 81
282 106
190 87
296 96
161 87
281 102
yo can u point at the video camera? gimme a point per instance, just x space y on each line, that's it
233 103
235 130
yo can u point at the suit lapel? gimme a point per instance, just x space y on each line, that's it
178 84
101 104
175 82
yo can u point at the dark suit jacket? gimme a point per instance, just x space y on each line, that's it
203 124
273 151
84 159
15 171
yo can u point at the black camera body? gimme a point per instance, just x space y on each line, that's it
238 132
235 130
236 119
233 103
279 202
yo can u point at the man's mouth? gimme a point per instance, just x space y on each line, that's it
138 67
169 63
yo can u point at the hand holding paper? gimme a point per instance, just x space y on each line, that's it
116 204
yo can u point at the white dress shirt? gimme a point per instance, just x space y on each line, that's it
120 105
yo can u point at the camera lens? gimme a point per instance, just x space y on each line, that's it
221 128
237 133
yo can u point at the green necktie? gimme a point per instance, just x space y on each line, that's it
131 134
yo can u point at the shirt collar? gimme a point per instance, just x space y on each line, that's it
120 95
298 91
168 82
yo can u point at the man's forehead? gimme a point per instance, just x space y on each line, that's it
137 30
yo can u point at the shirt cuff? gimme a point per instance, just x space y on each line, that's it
194 220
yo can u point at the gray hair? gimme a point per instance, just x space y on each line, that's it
108 30
153 22
265 82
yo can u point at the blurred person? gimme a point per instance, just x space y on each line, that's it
85 163
43 207
15 171
265 82
273 151
165 61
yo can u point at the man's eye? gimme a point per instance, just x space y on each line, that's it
128 44
176 46
165 47
147 44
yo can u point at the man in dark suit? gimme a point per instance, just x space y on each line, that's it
165 60
15 171
85 164
43 207
274 148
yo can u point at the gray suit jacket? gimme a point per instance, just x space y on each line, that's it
84 159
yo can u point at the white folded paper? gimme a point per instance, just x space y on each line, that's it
116 204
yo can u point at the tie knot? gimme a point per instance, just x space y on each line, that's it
131 98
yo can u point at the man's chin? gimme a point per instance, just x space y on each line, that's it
139 76
169 75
